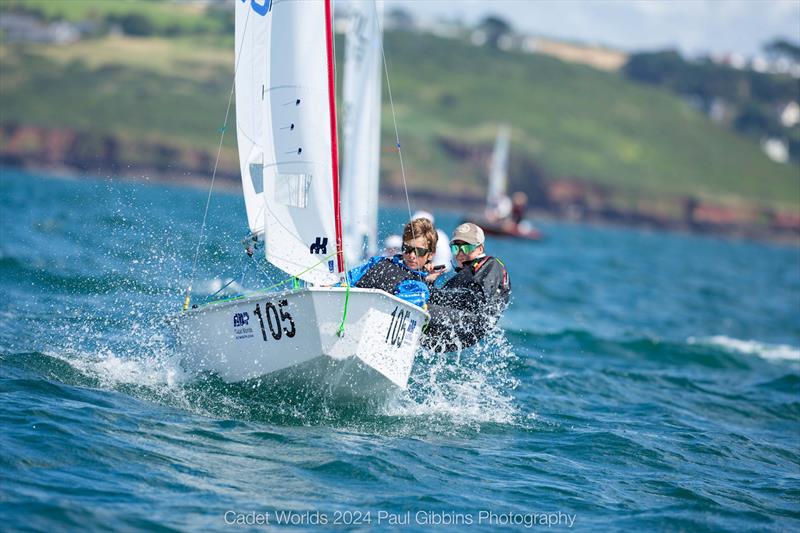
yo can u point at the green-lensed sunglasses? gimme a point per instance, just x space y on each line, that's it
464 248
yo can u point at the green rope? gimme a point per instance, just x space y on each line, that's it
295 285
340 332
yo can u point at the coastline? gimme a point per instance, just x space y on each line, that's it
603 215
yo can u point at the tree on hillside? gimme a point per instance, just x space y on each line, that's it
782 48
400 19
655 67
134 24
494 28
226 17
758 121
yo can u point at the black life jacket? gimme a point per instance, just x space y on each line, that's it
387 275
474 287
467 306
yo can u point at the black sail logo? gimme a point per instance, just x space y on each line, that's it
320 246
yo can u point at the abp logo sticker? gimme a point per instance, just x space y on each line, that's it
241 319
262 7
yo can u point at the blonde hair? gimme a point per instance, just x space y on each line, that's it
421 227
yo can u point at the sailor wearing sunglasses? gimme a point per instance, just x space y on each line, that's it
469 304
404 274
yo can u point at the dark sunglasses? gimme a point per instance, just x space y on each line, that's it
407 249
464 248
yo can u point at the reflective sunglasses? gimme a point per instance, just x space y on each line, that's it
407 249
463 248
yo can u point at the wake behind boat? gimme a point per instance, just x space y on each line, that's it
360 341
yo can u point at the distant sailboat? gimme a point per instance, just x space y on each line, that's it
362 341
501 216
362 130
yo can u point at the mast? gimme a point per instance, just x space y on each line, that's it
334 145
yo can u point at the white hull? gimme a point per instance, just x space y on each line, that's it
294 335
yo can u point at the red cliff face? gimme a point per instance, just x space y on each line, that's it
721 215
26 145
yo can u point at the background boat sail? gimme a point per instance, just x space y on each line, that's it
363 340
361 98
496 196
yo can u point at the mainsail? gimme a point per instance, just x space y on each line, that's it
285 116
361 129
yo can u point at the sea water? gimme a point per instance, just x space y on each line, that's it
640 380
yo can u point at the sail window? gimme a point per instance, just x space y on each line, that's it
292 189
257 177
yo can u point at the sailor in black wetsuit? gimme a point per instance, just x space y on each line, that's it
470 303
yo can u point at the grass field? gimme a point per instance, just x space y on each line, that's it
568 120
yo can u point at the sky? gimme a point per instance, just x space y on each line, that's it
695 27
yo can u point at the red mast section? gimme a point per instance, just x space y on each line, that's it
334 145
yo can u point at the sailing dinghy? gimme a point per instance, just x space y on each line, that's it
360 340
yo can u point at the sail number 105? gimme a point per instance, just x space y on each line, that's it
397 327
278 320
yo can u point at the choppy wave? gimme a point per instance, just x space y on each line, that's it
713 352
770 352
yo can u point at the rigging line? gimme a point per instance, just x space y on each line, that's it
244 272
261 269
394 115
221 288
233 279
216 164
291 278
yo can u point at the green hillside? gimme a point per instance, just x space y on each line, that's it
568 121
574 121
161 16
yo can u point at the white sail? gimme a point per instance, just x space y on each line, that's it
285 121
498 174
361 129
